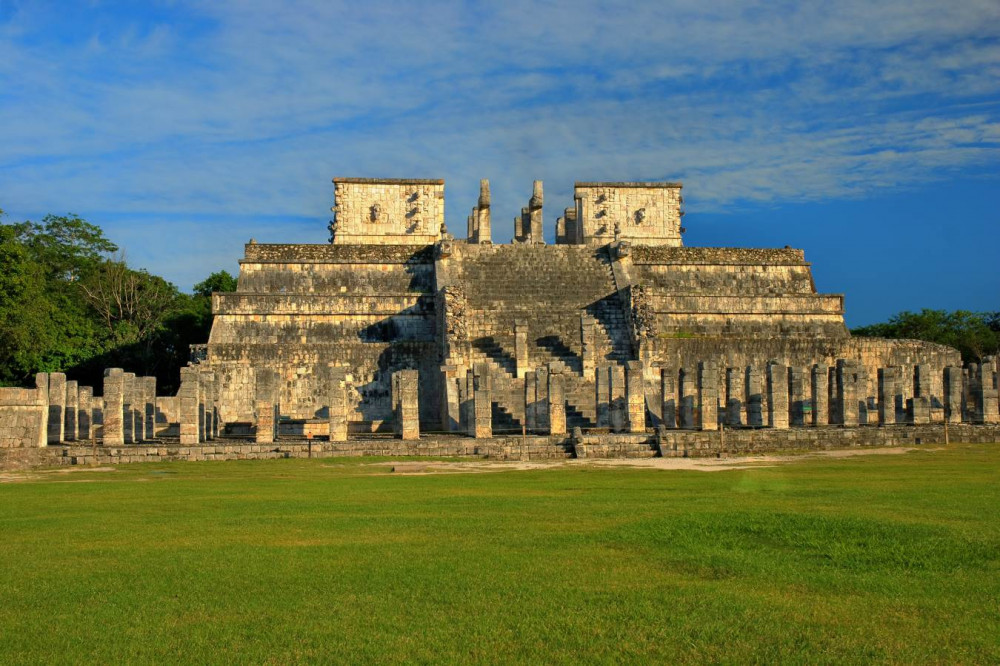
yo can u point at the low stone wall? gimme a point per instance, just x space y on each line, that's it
513 448
23 417
693 443
668 443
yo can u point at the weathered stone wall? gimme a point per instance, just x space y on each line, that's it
733 293
647 213
375 211
24 415
544 289
299 309
677 443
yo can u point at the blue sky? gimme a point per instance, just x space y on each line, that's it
866 133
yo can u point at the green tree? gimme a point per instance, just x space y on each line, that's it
975 334
219 281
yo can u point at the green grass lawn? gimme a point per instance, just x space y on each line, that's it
873 558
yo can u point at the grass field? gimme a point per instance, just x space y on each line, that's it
872 558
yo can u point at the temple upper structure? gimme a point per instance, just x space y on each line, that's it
373 211
643 213
524 328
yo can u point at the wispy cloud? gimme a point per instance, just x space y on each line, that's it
243 110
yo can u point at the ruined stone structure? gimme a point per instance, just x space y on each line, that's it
615 340
618 296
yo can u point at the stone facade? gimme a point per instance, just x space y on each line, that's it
615 332
644 213
374 211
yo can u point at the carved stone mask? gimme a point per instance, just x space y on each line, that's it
375 213
640 215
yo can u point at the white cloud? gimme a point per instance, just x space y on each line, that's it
248 108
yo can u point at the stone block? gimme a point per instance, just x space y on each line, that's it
777 396
482 407
85 414
953 394
114 408
451 400
57 407
556 399
407 422
542 404
149 407
887 390
799 406
755 396
668 389
521 348
617 409
189 405
847 392
530 402
820 394
72 410
337 412
708 395
735 396
635 396
602 388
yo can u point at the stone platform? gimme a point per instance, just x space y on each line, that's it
676 443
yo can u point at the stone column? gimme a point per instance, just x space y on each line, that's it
114 407
820 390
735 385
953 394
521 348
451 401
755 396
57 407
482 404
688 397
530 401
635 396
85 413
128 408
337 409
265 405
847 392
542 403
149 406
668 386
188 400
887 396
777 396
602 385
587 344
479 221
72 408
468 389
407 412
919 408
617 411
985 395
557 399
206 397
922 381
535 213
708 395
797 393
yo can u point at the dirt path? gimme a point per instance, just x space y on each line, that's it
696 464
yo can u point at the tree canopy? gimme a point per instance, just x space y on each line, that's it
70 302
975 334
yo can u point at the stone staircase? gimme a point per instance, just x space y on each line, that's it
549 288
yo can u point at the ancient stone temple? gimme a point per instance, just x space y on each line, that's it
397 339
552 336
